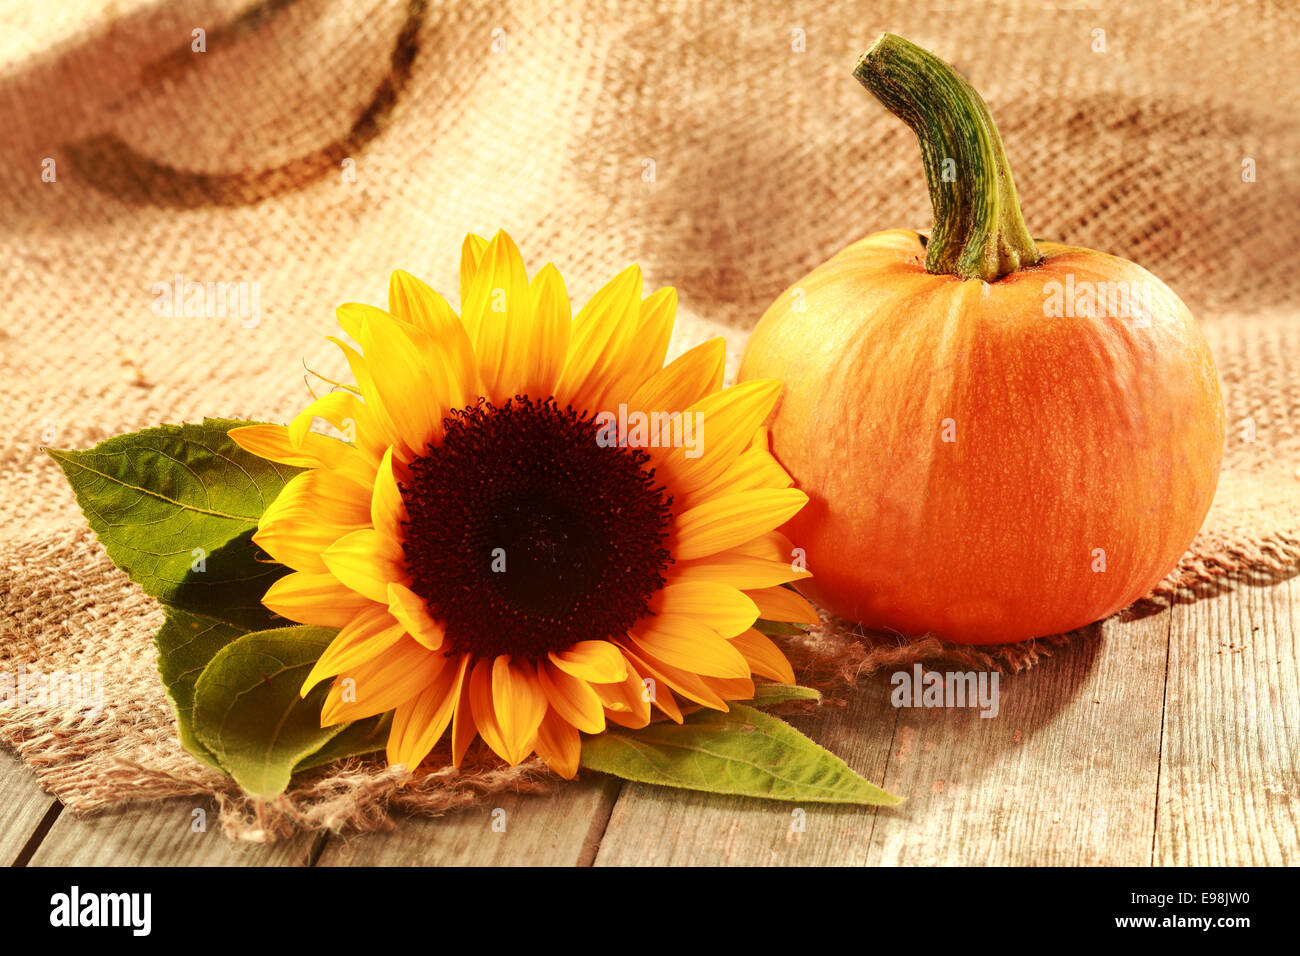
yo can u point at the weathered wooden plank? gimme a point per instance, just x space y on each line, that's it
160 833
25 804
560 828
1064 775
653 826
1230 768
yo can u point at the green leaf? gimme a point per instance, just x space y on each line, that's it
766 694
176 508
779 628
247 711
361 737
744 752
186 642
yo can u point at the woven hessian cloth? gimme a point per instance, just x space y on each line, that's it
723 146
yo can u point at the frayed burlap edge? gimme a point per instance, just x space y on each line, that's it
360 794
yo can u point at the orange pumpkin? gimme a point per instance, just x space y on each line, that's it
1000 438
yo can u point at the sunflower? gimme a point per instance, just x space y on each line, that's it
532 527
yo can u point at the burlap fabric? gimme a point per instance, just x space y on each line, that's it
315 146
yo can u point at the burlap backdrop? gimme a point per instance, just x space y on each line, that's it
724 146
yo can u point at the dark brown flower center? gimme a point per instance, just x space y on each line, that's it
526 535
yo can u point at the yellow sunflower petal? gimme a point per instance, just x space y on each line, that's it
480 701
783 604
498 315
753 468
367 562
559 745
727 421
765 658
658 310
349 415
519 705
773 546
549 333
418 725
367 635
731 688
603 337
385 429
315 599
655 690
730 520
625 701
311 513
667 677
273 443
572 698
395 676
411 385
666 704
739 570
684 380
409 608
599 662
471 254
353 316
463 728
414 302
721 607
387 510
321 493
300 546
685 643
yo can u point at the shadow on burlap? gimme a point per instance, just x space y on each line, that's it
694 139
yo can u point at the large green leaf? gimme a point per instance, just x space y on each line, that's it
186 643
360 737
743 752
247 711
176 508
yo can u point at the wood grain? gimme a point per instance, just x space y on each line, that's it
1230 767
159 834
25 804
560 828
653 826
1064 775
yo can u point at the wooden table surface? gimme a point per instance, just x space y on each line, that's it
1170 738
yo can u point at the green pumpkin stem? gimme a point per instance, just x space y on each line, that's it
978 230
